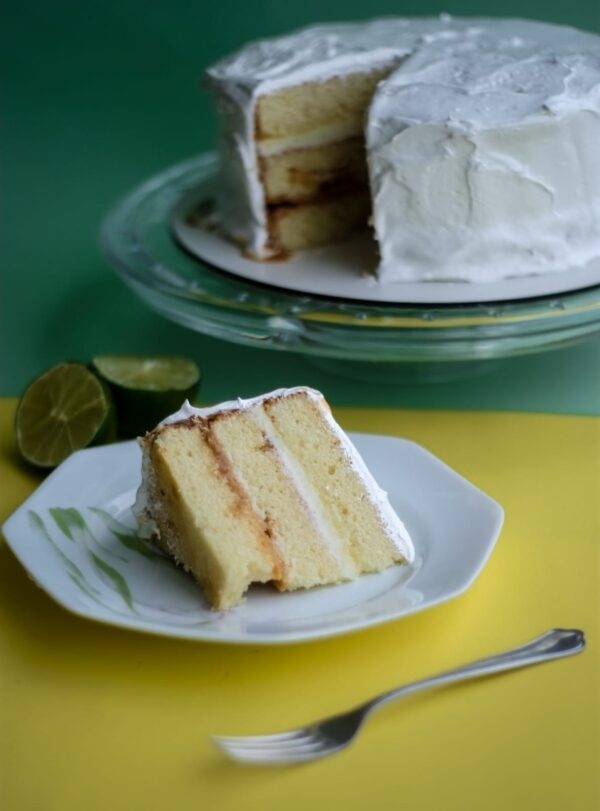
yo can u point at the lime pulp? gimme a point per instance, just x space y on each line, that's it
64 409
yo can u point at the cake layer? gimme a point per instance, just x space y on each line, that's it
319 222
318 448
298 110
302 174
203 517
309 551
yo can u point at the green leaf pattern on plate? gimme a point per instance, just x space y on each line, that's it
39 524
101 562
71 523
73 526
116 577
68 519
125 536
73 571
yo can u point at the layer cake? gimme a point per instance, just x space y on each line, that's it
265 490
471 144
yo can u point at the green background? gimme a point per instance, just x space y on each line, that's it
98 96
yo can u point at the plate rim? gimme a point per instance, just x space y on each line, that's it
195 634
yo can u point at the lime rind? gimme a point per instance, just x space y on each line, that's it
146 389
148 373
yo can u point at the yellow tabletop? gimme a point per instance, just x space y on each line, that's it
94 717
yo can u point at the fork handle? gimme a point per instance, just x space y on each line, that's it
551 645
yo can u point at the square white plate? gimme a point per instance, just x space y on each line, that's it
76 537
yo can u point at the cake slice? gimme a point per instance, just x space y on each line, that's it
265 490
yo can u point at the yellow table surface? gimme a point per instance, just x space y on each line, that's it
92 717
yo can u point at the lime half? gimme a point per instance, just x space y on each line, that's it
63 410
146 390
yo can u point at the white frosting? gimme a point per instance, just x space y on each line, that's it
187 410
482 142
393 526
142 508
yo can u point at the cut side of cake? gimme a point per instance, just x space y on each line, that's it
315 195
320 221
305 161
311 153
265 490
312 166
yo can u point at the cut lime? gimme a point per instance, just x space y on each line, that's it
146 390
63 410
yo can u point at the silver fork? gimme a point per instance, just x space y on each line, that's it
330 735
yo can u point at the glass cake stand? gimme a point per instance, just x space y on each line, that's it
137 240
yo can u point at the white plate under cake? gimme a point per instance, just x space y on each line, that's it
76 537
